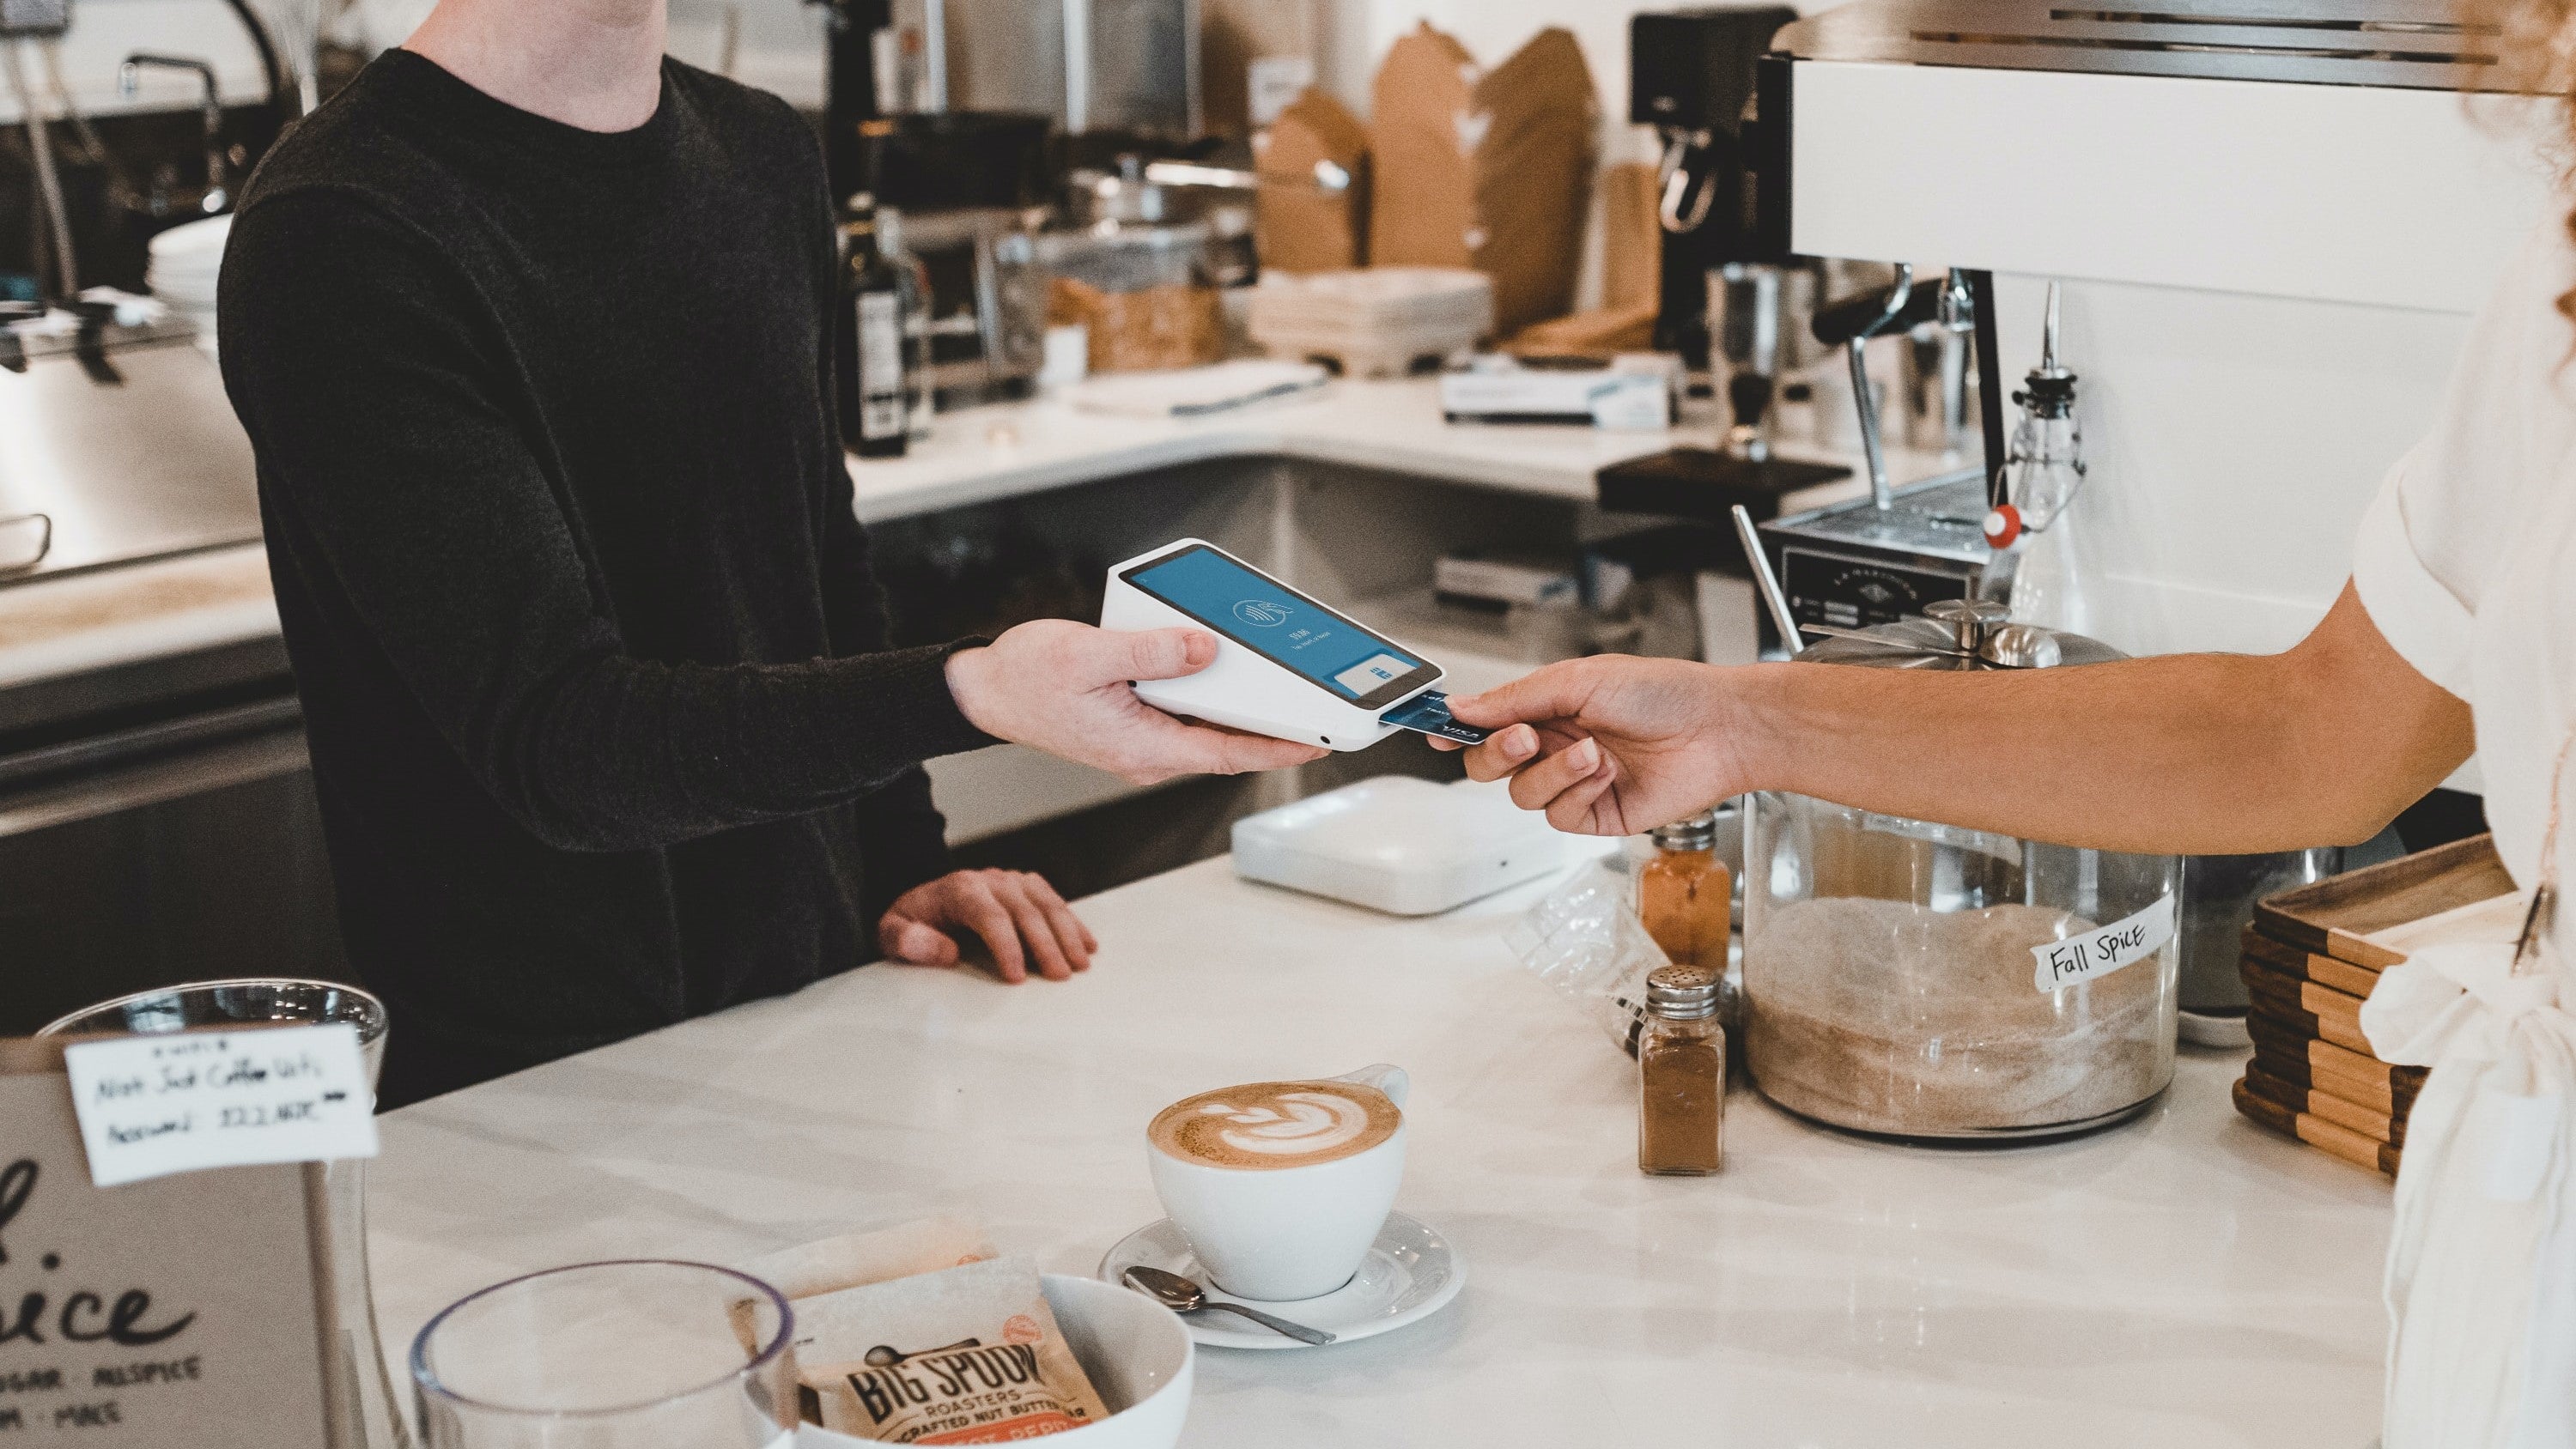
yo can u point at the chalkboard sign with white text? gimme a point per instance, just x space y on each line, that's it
181 1311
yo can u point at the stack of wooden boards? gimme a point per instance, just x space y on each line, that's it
2312 956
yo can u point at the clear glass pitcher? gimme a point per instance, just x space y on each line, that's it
644 1354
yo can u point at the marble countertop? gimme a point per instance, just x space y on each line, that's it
1014 448
2183 1279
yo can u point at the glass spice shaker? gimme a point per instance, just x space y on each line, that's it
1684 895
1681 1074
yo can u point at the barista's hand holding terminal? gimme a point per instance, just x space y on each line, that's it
2182 754
1066 688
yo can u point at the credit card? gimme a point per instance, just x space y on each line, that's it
1428 714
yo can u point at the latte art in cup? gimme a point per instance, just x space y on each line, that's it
1276 1124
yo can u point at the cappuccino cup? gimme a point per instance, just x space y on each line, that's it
1281 1187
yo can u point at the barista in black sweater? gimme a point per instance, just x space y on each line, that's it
527 327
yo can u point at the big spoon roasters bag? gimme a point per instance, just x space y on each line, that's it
968 1355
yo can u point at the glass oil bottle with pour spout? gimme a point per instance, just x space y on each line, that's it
2040 523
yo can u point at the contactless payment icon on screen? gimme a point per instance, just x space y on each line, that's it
1261 613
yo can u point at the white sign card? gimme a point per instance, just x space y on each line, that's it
2104 949
182 1102
181 1311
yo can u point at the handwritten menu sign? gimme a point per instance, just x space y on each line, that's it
185 1310
153 1105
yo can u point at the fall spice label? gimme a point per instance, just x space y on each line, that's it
2104 949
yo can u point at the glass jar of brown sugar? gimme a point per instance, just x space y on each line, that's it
1681 1073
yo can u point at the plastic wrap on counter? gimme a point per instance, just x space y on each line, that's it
1586 941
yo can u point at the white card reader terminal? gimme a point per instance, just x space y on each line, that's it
1286 666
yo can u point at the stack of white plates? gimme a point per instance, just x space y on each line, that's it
1373 321
182 271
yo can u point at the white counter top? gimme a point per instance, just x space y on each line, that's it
1014 448
2182 1280
976 456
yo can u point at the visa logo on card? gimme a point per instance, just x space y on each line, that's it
1427 713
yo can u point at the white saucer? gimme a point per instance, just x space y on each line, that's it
1410 1273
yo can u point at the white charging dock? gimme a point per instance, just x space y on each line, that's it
1242 688
1404 846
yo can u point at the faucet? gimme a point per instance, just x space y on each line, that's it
129 77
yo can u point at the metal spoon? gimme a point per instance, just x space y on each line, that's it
1181 1295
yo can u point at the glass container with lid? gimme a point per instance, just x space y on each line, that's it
1146 292
1920 980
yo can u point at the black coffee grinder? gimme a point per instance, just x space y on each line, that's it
1690 76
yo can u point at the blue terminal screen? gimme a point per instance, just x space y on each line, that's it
1275 622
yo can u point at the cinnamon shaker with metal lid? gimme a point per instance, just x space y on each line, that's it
1685 895
1681 1074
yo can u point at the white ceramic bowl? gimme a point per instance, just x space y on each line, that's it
1137 1352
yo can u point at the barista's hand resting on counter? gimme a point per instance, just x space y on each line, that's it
1017 915
2200 754
1065 688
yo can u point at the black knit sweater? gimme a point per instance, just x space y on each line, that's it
603 721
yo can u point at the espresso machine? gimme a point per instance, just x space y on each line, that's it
2270 224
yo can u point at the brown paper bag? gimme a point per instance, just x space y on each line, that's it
1488 169
1631 278
1632 237
1298 225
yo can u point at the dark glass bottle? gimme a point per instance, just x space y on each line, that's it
868 345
